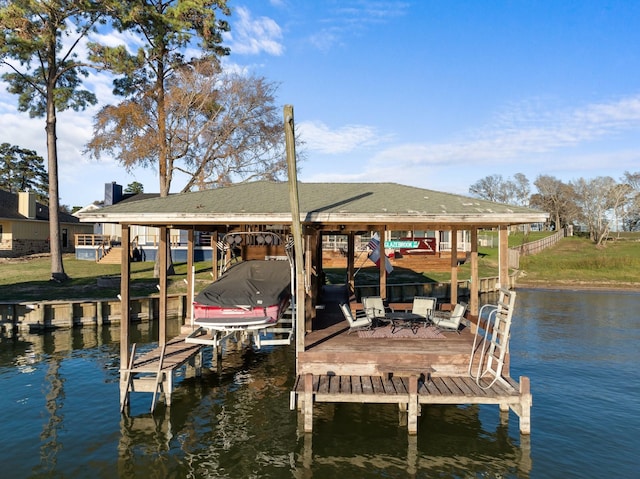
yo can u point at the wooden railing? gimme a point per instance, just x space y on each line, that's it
407 291
92 240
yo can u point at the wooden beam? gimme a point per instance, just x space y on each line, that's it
454 265
503 253
296 227
214 255
351 248
162 313
309 307
475 280
125 279
412 407
382 264
190 274
308 403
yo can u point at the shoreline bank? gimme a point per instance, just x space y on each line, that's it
579 286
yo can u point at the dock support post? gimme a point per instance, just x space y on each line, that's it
412 412
100 313
198 363
308 402
525 405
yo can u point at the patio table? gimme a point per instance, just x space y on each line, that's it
405 321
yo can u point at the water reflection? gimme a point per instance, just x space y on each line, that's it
452 442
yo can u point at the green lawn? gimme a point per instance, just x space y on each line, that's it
576 260
28 280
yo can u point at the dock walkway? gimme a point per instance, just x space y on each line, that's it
411 392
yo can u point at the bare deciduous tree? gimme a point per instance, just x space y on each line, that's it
596 203
514 191
556 198
221 128
631 220
228 126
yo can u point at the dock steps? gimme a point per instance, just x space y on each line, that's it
153 371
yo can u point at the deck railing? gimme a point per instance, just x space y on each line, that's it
403 292
92 240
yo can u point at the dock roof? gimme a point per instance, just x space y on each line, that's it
324 203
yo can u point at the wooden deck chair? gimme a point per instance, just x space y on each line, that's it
424 306
491 340
451 322
362 322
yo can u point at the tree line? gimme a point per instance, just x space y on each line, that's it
600 204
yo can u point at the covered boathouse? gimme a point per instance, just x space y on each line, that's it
334 364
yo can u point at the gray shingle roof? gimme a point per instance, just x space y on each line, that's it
319 202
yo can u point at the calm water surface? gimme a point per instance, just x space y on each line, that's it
59 410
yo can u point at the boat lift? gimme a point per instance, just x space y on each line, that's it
261 331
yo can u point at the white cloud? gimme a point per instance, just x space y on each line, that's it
320 138
520 135
251 36
324 40
593 140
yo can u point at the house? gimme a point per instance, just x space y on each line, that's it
105 239
24 226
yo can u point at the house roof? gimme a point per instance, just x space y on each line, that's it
326 203
9 210
127 197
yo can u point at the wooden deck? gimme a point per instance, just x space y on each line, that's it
146 374
338 366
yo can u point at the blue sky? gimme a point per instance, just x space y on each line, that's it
435 94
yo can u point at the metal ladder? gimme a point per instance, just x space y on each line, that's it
493 344
284 329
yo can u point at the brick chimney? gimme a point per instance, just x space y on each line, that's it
27 204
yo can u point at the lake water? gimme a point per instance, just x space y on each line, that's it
59 410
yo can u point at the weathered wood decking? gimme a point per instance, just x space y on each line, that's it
411 392
148 374
340 367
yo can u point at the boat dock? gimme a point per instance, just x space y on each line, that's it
338 366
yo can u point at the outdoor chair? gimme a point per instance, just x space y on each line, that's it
451 322
362 322
374 308
424 306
